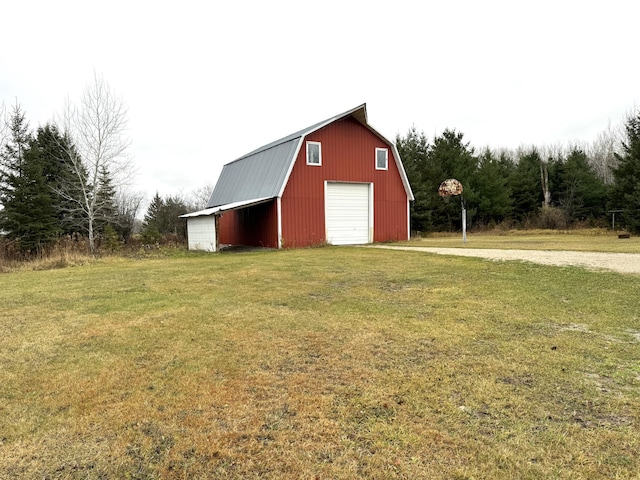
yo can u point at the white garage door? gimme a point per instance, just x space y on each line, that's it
347 213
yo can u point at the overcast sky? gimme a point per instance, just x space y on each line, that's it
206 82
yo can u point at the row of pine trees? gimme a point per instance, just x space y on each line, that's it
529 187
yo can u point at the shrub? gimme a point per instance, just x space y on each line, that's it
548 218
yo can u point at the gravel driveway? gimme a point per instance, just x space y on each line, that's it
618 262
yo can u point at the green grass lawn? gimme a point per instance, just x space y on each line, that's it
330 363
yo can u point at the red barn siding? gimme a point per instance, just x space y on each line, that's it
348 155
229 229
253 226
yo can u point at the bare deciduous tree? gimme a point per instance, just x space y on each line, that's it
544 181
97 129
548 153
129 206
200 197
602 152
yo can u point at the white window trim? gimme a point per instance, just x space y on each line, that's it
386 164
319 164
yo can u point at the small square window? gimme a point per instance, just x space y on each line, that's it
314 153
382 158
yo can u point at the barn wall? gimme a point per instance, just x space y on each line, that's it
252 226
348 154
228 228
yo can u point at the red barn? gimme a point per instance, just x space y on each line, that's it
338 182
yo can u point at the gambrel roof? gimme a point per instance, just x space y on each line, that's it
263 173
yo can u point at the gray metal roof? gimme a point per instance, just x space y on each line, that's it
264 172
257 175
360 113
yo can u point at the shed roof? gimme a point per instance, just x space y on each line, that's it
263 173
224 208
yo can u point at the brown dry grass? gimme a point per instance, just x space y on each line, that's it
590 240
321 363
62 255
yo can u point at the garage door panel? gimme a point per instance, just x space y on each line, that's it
201 233
347 213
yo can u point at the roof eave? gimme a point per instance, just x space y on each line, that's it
225 208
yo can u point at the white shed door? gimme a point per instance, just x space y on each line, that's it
347 213
201 232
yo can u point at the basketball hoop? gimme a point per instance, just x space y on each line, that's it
452 188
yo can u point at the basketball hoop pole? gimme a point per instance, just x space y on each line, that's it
464 219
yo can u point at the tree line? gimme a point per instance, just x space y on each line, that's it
64 178
535 187
68 179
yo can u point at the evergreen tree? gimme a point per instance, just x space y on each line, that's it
152 217
60 176
491 185
427 166
12 154
106 211
413 150
174 206
627 175
163 218
450 157
31 216
526 186
13 151
582 191
28 216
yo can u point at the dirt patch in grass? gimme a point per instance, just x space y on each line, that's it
618 262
